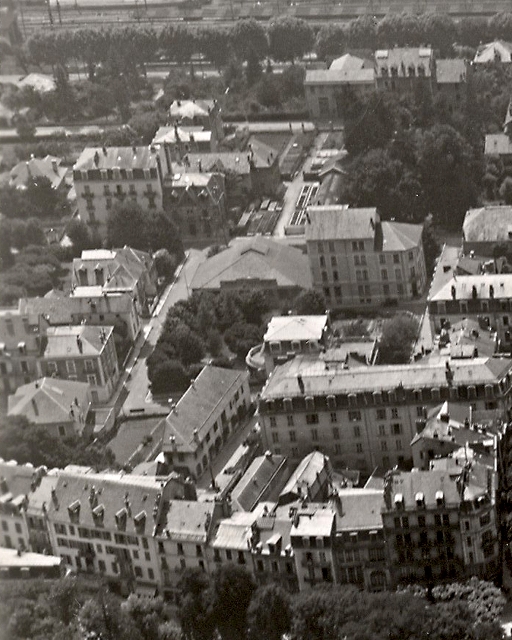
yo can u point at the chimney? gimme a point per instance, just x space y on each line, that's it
300 382
35 407
454 292
55 166
97 158
104 149
79 344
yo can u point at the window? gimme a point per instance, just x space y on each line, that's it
293 436
333 261
327 292
289 420
381 414
354 415
384 274
421 521
331 247
383 446
485 519
334 416
151 574
396 258
314 435
5 526
394 412
272 421
320 247
382 258
295 452
357 431
398 274
325 277
311 418
337 449
321 261
138 572
335 433
359 447
229 555
337 292
91 379
335 276
70 366
396 429
275 438
382 430
398 444
101 566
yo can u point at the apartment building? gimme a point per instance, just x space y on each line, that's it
183 538
206 415
60 407
123 270
104 176
439 525
20 344
366 417
358 261
84 353
312 538
405 69
484 298
106 524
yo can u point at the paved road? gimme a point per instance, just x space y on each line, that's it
139 402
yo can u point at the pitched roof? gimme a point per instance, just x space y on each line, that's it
204 400
116 158
488 52
443 427
18 479
296 328
190 108
222 161
400 236
262 154
188 521
49 400
488 224
341 222
38 81
122 267
402 58
255 480
234 532
497 144
254 258
306 473
314 522
348 61
170 135
10 558
451 71
48 167
319 380
126 496
63 341
462 287
358 509
339 76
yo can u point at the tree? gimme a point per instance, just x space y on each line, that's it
165 264
241 337
215 44
370 127
269 615
25 128
166 375
78 232
309 302
506 190
500 26
102 617
194 613
253 70
146 614
439 31
125 224
330 41
399 30
289 38
292 81
397 338
231 592
161 233
146 124
361 33
431 247
249 38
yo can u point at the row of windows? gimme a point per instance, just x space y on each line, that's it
353 416
5 526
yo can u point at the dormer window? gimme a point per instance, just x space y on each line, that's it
121 517
98 514
74 511
140 521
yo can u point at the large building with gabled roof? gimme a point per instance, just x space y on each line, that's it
255 263
199 425
358 261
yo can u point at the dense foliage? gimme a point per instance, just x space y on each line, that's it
228 605
398 336
24 442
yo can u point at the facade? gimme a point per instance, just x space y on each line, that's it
196 202
485 228
357 261
105 176
16 565
60 407
439 525
233 165
83 353
123 270
484 298
200 424
257 263
405 69
311 481
175 142
366 417
20 345
327 90
312 538
48 167
288 336
265 475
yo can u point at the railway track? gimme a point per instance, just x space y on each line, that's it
68 14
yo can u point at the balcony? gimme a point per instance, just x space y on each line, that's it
255 359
